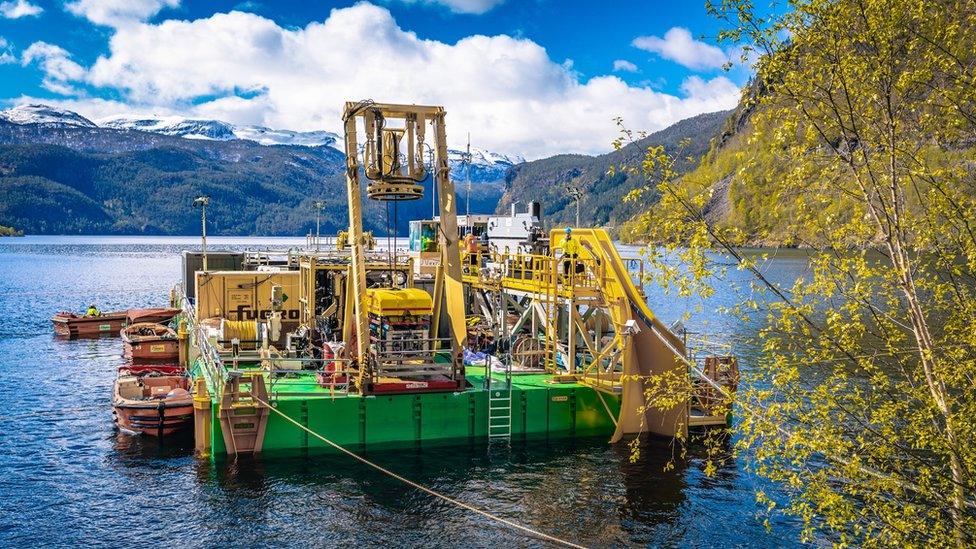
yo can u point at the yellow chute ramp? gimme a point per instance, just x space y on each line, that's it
650 348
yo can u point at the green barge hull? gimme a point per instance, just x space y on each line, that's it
541 407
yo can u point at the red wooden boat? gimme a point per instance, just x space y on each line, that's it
150 343
159 316
155 402
67 324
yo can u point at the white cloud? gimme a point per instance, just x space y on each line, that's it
507 92
622 65
462 6
116 13
6 52
679 46
19 8
716 89
55 61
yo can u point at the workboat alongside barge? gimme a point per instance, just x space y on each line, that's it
149 343
354 347
72 325
152 400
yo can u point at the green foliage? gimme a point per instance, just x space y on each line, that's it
860 146
10 231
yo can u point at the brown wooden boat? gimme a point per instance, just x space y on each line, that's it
158 315
67 324
154 402
150 343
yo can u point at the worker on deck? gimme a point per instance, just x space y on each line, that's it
93 311
471 246
571 252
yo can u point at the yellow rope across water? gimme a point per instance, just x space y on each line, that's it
420 487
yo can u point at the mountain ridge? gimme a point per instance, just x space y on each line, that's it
603 203
485 166
62 173
65 176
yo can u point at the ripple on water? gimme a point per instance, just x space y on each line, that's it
68 477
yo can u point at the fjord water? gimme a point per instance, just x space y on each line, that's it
68 477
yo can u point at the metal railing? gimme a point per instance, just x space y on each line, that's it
329 373
209 357
411 356
723 370
216 363
536 270
635 266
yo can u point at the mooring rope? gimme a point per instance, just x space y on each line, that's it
421 487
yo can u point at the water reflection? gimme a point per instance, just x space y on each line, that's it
138 450
583 490
68 477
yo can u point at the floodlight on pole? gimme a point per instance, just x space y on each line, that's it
318 205
201 202
577 194
433 185
467 208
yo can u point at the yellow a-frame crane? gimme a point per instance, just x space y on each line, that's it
395 173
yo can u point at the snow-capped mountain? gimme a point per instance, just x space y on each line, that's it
192 128
43 114
485 166
267 136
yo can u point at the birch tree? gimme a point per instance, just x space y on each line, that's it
861 407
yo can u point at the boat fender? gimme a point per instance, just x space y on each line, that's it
178 392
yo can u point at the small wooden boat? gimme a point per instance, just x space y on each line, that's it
158 315
152 402
67 324
150 343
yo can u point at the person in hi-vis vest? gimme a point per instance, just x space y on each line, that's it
571 249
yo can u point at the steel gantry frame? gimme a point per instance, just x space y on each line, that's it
448 299
589 322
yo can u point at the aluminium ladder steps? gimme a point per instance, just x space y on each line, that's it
500 413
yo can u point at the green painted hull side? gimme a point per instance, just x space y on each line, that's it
412 420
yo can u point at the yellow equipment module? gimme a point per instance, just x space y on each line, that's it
395 302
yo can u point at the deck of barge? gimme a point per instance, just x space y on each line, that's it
542 406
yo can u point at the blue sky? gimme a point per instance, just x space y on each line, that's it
532 77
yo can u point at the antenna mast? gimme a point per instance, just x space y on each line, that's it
467 207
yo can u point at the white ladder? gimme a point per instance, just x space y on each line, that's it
500 411
500 398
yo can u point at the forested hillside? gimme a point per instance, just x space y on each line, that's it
739 185
89 180
546 180
62 173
